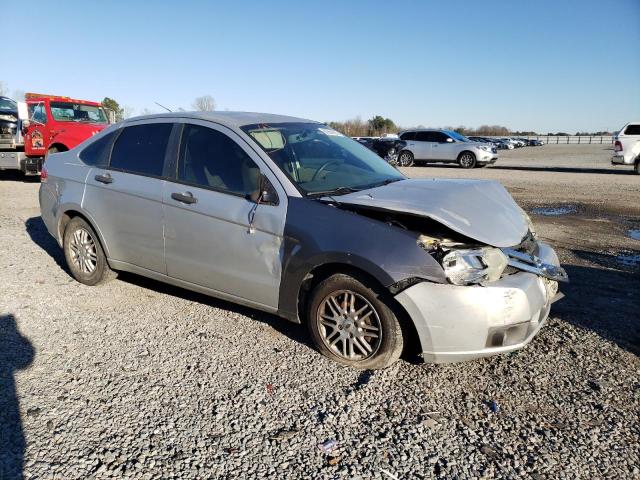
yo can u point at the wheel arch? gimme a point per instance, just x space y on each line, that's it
73 211
466 151
321 272
61 147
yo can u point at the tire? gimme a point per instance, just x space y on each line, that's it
405 159
637 167
467 160
352 340
80 242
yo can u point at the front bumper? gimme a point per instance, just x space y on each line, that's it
622 160
457 323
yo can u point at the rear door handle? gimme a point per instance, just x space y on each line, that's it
186 197
104 178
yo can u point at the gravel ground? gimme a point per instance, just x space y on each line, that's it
137 379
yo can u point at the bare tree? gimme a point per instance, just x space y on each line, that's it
206 103
3 88
18 95
127 111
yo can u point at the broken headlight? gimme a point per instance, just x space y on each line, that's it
474 265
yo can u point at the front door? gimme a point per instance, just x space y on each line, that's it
36 138
215 236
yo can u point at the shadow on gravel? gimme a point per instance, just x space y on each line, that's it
16 353
292 330
604 301
37 230
16 176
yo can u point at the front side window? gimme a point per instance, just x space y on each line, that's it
320 160
210 159
141 149
97 153
77 112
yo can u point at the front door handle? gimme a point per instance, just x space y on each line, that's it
186 197
104 178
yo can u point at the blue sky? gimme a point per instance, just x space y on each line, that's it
546 65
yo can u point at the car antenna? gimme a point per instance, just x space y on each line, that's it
167 109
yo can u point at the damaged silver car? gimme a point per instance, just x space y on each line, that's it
291 217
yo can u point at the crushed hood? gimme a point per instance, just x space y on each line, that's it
480 209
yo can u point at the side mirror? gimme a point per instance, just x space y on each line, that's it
265 192
25 126
449 140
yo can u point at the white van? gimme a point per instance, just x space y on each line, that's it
627 146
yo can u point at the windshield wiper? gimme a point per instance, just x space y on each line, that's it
335 191
383 183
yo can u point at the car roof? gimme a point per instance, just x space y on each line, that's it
232 119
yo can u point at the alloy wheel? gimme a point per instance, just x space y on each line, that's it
467 160
82 250
349 325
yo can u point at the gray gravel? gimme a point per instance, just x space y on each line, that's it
136 379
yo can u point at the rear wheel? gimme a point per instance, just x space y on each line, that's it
467 160
84 255
405 159
351 324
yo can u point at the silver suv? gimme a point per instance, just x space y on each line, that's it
291 217
424 145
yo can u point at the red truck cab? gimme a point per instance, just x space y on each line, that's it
57 124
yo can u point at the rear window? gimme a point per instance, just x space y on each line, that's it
141 149
633 129
97 153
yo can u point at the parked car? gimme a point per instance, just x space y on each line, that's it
627 146
291 217
426 145
386 147
533 142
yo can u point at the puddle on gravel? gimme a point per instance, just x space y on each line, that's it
554 211
629 259
635 234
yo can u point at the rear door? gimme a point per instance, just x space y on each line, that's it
424 145
125 197
216 237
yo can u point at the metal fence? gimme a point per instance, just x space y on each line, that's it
571 139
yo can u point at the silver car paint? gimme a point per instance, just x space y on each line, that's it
225 253
480 209
449 151
454 323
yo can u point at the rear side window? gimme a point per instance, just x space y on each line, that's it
209 158
97 153
424 137
408 136
633 129
141 149
439 137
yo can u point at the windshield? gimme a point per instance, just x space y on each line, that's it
8 104
77 112
456 136
320 160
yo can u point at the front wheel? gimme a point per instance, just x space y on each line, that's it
84 255
467 160
405 159
351 324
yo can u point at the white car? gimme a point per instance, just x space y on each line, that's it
627 146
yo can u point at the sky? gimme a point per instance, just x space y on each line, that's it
547 66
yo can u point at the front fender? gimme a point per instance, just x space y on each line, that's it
317 234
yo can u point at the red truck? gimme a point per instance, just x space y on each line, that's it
54 124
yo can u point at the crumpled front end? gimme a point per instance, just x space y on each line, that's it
463 322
